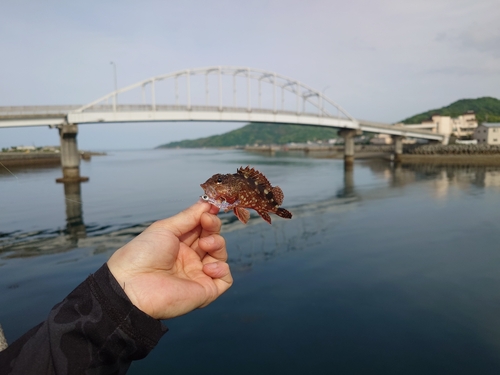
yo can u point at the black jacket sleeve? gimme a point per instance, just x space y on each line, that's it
94 330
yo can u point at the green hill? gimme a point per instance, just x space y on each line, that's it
487 109
259 133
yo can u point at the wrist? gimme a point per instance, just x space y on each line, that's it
122 278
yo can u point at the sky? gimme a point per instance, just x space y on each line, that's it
381 60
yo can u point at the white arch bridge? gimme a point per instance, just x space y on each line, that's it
218 93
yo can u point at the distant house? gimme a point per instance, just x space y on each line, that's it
381 139
24 148
488 133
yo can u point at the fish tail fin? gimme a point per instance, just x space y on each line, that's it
278 195
242 214
285 214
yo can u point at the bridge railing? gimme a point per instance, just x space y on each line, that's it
37 110
181 108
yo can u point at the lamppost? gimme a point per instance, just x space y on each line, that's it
114 69
116 86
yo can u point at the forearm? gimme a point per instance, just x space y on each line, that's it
95 328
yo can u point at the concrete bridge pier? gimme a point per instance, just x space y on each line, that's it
398 147
348 135
70 157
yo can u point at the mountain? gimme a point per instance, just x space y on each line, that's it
260 133
487 109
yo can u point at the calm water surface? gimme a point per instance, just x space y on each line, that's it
386 270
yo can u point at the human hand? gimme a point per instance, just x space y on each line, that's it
176 265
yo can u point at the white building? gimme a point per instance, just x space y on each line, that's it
488 133
460 127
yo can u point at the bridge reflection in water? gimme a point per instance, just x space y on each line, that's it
109 238
104 239
75 227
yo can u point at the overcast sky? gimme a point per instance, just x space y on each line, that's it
383 60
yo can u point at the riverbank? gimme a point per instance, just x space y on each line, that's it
327 151
412 153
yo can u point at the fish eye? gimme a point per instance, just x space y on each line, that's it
219 180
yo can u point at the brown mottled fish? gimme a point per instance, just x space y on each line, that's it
246 188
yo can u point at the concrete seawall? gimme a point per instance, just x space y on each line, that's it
20 158
39 158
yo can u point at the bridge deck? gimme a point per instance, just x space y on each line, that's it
58 115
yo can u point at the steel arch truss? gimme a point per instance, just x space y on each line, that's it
284 95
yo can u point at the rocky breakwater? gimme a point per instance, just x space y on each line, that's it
438 149
452 154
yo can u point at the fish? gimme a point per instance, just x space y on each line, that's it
247 188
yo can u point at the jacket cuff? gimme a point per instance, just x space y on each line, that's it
118 307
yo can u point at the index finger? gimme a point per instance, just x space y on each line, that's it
185 221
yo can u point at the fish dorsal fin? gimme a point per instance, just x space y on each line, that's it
248 172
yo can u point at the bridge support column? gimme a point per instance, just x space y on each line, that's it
70 157
348 135
398 147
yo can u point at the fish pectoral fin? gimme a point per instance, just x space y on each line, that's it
242 214
265 216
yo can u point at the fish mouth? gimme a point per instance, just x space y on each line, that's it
211 196
209 191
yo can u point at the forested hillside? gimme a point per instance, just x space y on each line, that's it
487 109
259 133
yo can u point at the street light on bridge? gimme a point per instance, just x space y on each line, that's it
116 86
114 69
